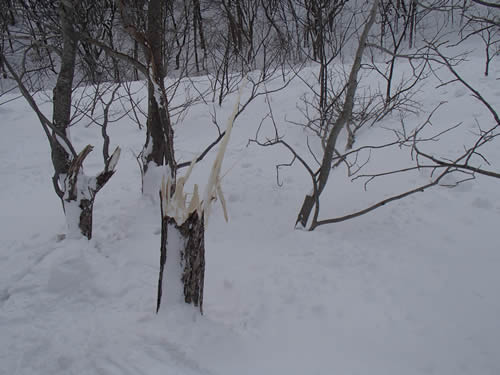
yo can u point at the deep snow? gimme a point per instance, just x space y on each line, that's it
411 288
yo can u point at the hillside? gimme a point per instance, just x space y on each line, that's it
411 288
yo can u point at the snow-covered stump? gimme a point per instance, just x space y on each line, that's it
80 191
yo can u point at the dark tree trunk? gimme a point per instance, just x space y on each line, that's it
193 258
192 255
87 207
199 22
61 159
66 166
159 137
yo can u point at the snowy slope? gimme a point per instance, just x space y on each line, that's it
409 289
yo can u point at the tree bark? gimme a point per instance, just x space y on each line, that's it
158 147
62 94
192 259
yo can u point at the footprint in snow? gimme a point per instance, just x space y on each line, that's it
4 295
481 203
319 310
233 198
460 92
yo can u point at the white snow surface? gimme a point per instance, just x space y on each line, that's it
153 177
411 288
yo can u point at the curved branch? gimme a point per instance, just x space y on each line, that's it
381 203
487 4
47 125
204 153
460 166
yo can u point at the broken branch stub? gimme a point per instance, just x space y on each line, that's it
175 205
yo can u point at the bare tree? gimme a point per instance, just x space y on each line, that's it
480 21
76 190
463 167
321 177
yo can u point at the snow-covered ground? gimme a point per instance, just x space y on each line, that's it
412 288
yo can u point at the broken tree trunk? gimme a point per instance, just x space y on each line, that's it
182 249
79 192
184 246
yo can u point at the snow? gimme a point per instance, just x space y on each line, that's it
152 179
411 288
63 143
115 157
72 212
172 284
